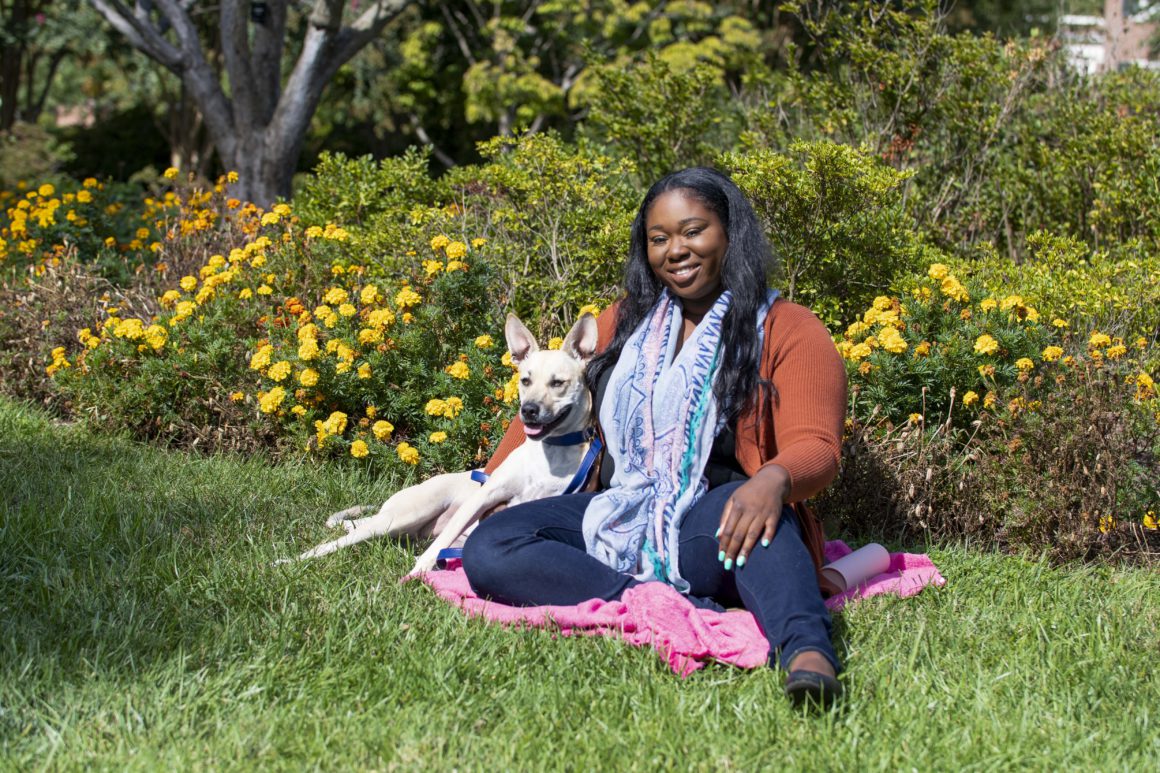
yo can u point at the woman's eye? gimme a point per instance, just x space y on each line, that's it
691 234
658 240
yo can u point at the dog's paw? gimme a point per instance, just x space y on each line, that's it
343 517
423 564
283 561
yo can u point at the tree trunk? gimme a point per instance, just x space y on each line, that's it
258 129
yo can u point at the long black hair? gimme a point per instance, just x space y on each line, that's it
746 264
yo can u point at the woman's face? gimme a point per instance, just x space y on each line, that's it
686 244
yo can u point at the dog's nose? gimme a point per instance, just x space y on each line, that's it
530 413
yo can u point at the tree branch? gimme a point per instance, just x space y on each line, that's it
140 32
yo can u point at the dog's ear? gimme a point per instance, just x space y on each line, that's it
581 339
520 340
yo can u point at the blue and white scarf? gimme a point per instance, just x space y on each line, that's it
660 419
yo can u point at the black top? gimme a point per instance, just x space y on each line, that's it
722 466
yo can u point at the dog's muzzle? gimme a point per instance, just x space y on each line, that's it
536 423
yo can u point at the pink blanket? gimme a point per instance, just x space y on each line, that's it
655 614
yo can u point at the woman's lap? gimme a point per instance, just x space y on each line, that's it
534 553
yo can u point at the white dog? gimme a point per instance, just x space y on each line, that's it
556 409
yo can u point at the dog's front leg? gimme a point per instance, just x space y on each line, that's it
468 513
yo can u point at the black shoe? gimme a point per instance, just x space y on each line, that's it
810 688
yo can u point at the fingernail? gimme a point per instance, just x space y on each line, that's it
728 564
764 542
717 533
721 556
740 560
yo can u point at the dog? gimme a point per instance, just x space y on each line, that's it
555 406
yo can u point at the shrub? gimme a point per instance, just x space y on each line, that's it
835 219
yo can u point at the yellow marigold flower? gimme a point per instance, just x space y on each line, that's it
407 453
406 298
455 250
237 397
458 370
308 349
170 297
588 308
383 429
84 197
437 437
484 342
1141 342
231 177
261 358
265 289
369 335
555 343
270 218
844 348
370 295
987 304
1145 387
985 344
970 398
435 407
1068 361
278 371
1150 521
90 182
456 265
892 341
381 318
308 377
347 310
1060 323
1116 351
156 337
281 209
371 411
298 410
965 314
989 400
188 283
1099 339
914 418
478 242
986 371
857 327
511 389
865 368
1024 363
454 407
922 350
432 267
364 370
1107 523
953 288
170 173
439 242
506 359
322 312
258 261
308 330
333 297
859 352
269 402
882 303
1052 353
358 449
313 232
937 271
335 424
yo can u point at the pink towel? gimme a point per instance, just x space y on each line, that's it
657 615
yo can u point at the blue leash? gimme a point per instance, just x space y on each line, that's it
571 439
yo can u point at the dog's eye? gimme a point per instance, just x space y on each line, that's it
525 381
556 383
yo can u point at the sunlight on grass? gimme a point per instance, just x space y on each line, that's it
142 626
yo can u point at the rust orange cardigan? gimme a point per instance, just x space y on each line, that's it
801 426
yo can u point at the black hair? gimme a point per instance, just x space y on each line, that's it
747 261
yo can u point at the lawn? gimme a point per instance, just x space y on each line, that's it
142 626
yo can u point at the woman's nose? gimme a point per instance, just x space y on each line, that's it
677 248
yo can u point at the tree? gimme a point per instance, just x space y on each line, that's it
36 36
257 124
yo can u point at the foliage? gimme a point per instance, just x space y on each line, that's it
28 152
835 219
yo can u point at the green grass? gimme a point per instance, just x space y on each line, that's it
142 627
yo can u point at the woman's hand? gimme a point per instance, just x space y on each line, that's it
751 514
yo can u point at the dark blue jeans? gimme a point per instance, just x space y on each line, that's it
534 554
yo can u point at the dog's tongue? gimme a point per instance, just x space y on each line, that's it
533 430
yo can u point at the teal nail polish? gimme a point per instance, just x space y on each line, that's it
728 564
764 542
740 560
717 533
721 556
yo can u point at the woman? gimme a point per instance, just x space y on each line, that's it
721 407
